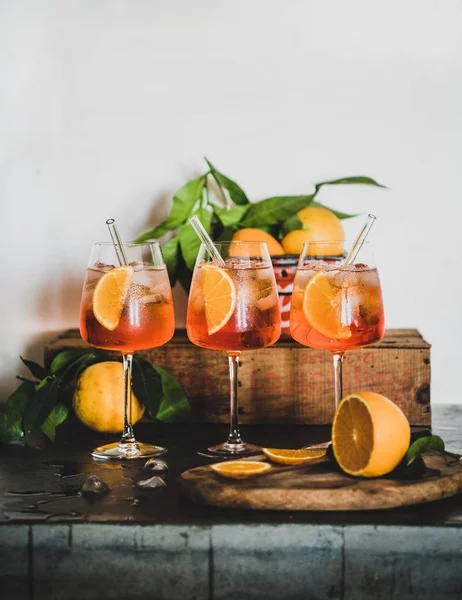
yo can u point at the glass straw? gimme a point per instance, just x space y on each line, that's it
206 240
360 240
121 256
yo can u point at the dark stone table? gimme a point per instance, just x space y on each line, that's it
135 543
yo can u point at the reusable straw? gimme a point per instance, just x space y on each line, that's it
360 240
122 257
206 240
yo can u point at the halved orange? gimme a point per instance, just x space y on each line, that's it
110 294
240 469
292 457
370 434
322 306
219 297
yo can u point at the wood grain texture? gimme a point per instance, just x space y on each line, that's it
320 486
289 383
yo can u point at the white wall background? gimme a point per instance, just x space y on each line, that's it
107 107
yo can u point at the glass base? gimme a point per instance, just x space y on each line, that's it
131 451
230 450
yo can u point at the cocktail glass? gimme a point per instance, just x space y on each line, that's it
234 308
336 306
127 308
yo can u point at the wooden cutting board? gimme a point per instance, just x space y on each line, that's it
321 486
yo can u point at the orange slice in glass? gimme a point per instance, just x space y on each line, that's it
240 469
110 294
322 306
293 457
219 297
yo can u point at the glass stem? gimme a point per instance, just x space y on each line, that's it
338 383
234 436
127 435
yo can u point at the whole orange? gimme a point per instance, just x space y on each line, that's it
323 225
98 400
250 234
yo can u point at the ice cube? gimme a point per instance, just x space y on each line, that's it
100 266
149 298
137 266
269 301
95 486
155 464
266 294
151 483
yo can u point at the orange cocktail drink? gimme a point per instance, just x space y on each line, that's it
126 308
146 314
336 303
337 308
242 306
233 306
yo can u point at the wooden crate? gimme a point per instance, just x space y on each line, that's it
288 383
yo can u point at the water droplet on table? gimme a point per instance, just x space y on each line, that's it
95 485
155 464
151 483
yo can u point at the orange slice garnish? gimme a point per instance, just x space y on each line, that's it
110 294
219 297
293 457
240 469
322 306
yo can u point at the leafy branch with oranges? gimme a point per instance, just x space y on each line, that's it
224 209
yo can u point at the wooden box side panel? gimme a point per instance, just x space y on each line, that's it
289 383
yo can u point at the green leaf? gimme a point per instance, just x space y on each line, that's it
56 417
65 359
271 229
40 404
183 204
226 234
170 253
37 370
232 216
147 385
174 405
236 193
416 470
189 242
359 179
423 444
273 211
21 378
291 223
337 213
11 419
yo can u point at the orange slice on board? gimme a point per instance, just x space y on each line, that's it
322 306
370 434
240 469
292 457
219 297
110 294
